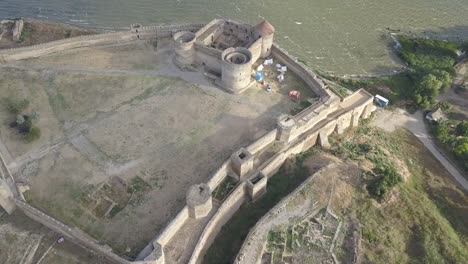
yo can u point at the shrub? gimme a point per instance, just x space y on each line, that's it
15 105
26 126
427 90
33 134
387 178
462 128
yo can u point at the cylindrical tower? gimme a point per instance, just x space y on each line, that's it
236 69
183 47
286 126
266 32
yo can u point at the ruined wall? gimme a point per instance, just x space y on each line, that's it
232 203
93 40
75 235
209 58
243 31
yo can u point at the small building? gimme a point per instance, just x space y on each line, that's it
382 101
436 115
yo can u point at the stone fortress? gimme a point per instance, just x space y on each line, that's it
224 51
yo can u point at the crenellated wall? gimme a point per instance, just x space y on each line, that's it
150 32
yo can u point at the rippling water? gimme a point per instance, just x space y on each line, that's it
343 36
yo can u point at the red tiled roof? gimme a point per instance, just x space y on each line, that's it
265 28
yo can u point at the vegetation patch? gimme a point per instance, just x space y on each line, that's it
224 188
431 71
453 136
300 107
411 222
23 122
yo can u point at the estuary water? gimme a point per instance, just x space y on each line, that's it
339 36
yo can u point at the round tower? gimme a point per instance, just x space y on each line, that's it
199 200
183 47
286 126
236 69
266 32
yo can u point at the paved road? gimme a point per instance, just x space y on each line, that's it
391 120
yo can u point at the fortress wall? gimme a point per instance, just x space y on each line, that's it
262 142
219 175
232 203
208 57
293 65
75 235
173 227
272 165
65 44
256 49
205 27
93 40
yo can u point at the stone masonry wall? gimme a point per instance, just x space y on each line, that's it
93 40
232 203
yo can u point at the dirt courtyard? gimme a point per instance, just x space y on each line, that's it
124 134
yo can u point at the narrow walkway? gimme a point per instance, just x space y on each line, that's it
389 121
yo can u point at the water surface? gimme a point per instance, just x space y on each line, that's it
342 36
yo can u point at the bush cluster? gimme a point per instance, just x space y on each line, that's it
387 177
455 137
431 63
23 122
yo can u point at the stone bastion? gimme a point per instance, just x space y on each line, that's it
232 66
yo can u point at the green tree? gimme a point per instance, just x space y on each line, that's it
33 134
444 77
462 128
442 132
427 90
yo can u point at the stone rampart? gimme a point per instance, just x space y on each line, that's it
232 203
173 227
219 175
93 40
262 142
301 143
152 32
309 77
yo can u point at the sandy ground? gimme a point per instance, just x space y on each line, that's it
391 121
115 114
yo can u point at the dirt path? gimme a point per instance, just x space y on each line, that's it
390 121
